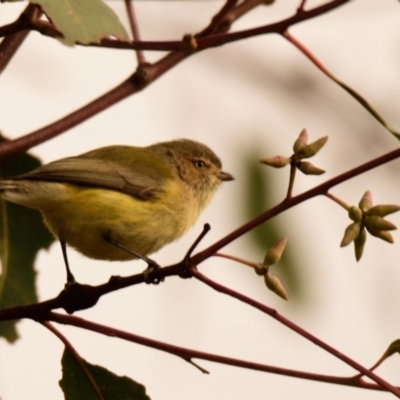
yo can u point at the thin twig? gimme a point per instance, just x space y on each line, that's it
293 201
300 331
218 19
12 42
210 41
152 72
92 294
75 355
130 10
237 259
188 354
343 85
143 77
292 177
300 8
338 201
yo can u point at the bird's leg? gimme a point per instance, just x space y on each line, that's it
151 264
70 278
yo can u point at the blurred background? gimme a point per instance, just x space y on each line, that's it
246 100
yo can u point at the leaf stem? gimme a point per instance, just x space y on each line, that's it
364 103
130 10
300 331
75 355
237 259
188 354
338 201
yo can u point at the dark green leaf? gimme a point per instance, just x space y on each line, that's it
84 22
76 384
22 235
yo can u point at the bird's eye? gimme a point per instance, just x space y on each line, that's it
200 164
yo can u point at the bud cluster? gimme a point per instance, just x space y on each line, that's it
368 218
272 256
301 150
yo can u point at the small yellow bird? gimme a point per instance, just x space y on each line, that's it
121 202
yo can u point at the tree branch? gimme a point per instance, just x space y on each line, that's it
189 354
289 324
79 297
147 74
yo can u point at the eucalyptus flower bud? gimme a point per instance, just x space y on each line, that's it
383 210
274 254
301 141
384 235
309 169
355 214
350 234
312 148
276 161
274 284
359 243
376 223
366 202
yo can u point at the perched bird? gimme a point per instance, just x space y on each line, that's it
121 202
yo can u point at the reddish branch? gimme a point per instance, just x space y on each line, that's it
148 73
85 296
289 324
189 354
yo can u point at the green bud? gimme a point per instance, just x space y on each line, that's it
384 235
366 202
393 348
350 234
312 148
355 214
301 141
274 254
383 210
359 243
309 169
276 162
274 284
376 223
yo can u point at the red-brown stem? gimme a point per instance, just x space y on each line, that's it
130 10
289 324
74 354
11 43
39 309
188 354
360 99
129 87
293 201
125 89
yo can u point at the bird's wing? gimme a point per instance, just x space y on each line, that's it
96 173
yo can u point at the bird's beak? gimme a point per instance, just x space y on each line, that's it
224 176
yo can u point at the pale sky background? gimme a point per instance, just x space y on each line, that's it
255 95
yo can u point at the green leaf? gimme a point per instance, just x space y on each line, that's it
76 384
85 22
22 235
